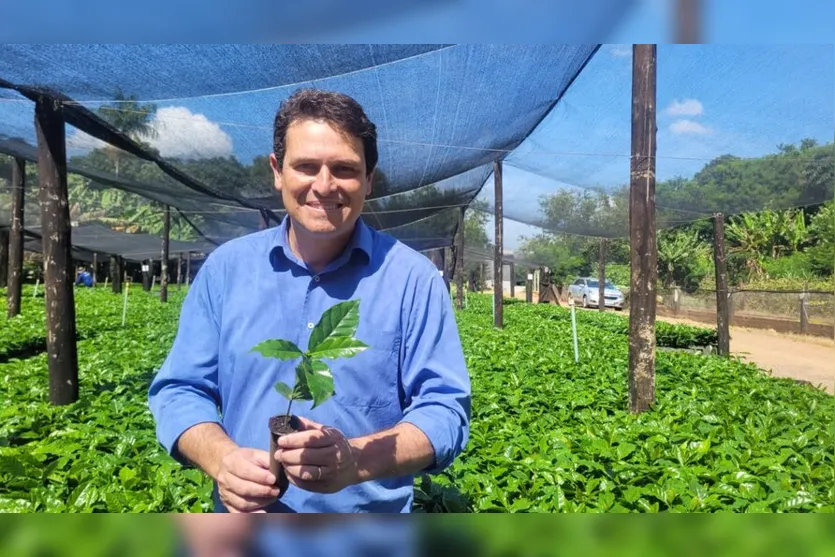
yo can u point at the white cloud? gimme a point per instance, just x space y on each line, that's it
183 134
620 50
684 126
179 134
80 141
687 107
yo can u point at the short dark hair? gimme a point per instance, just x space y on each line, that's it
338 109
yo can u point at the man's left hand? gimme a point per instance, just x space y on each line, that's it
319 458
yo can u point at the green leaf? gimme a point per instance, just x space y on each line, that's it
338 347
286 391
624 450
277 348
339 321
605 500
319 381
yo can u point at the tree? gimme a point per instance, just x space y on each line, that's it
822 255
130 117
683 258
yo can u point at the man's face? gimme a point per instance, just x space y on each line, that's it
322 182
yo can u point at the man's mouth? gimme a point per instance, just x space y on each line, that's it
325 206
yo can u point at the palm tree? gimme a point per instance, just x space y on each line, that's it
131 118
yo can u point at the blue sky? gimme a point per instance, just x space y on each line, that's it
711 100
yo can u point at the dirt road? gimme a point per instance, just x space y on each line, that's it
784 355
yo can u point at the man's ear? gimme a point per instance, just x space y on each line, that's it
370 186
278 178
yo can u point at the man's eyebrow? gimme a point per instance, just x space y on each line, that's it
313 160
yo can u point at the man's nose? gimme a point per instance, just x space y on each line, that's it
324 183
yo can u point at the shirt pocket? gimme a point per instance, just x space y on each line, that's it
370 379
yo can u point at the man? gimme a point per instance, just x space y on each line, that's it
84 278
401 407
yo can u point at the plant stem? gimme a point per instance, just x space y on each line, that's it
291 404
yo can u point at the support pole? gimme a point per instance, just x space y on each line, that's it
147 271
116 273
643 246
179 270
4 257
166 236
95 268
722 313
601 277
15 286
459 260
512 270
804 313
688 21
188 269
498 314
529 287
446 254
57 255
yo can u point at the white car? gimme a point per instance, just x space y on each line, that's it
585 290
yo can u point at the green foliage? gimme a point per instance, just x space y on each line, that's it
549 435
822 255
332 338
683 258
795 266
99 454
620 275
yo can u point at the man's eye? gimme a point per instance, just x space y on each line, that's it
344 171
307 168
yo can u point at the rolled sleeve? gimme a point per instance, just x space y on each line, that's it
185 390
435 380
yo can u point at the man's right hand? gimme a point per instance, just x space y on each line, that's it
244 480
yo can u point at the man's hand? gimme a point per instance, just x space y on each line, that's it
319 458
244 480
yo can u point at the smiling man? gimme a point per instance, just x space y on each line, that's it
401 407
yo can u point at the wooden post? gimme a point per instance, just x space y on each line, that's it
147 271
688 21
722 313
512 270
166 235
4 256
601 277
446 254
115 274
804 313
188 269
15 283
643 246
529 287
459 260
179 270
57 255
498 314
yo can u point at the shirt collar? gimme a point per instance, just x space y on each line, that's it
361 240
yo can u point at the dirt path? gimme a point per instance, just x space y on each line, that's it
784 355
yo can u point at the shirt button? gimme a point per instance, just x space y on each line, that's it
316 278
310 325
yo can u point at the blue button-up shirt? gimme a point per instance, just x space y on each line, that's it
253 289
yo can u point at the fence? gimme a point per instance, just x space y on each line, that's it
810 313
